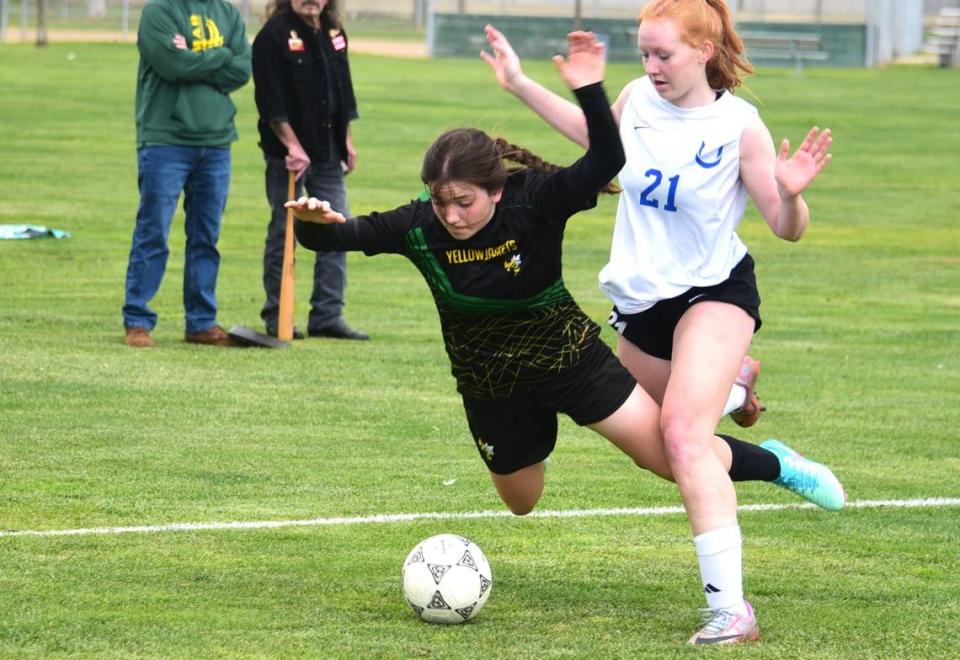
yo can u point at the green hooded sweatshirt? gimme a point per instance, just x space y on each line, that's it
183 94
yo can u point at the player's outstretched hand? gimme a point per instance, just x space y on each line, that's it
585 61
504 61
795 173
314 210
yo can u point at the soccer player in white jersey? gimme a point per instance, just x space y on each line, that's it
686 303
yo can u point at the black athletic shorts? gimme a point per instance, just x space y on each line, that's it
652 329
521 430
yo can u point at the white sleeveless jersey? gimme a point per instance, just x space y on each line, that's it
682 198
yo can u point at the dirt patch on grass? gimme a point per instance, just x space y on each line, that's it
406 49
13 36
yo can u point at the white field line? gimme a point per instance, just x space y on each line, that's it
934 502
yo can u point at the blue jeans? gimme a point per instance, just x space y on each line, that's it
323 181
203 175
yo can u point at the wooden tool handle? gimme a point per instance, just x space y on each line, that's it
285 315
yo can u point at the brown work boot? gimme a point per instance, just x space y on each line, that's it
748 414
139 338
212 336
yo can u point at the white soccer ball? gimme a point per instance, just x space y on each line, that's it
446 579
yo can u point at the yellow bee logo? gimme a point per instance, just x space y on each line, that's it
513 264
485 448
204 41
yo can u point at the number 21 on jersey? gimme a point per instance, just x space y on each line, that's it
651 196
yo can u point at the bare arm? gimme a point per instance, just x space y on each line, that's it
775 180
563 115
575 187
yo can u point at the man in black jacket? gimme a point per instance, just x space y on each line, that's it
305 98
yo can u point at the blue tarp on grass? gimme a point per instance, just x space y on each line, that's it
9 232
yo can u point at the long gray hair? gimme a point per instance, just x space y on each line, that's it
329 16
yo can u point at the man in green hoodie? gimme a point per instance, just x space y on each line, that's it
193 54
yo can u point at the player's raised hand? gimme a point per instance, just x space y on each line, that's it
795 173
585 61
504 61
314 210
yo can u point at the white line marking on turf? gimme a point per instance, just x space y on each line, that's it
933 502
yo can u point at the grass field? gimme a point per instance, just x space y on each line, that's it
861 354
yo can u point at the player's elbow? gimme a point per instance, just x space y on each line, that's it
792 234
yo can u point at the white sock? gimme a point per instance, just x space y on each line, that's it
738 397
721 567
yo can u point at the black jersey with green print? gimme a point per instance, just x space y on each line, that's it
507 319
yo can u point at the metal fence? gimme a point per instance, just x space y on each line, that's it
20 20
819 11
896 26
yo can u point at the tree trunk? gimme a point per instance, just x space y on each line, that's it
41 22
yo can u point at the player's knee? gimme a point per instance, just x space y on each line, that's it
521 507
520 490
682 439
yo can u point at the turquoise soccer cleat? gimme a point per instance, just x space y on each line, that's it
810 480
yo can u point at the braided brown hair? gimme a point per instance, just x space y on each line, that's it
471 156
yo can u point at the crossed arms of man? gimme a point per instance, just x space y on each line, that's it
163 45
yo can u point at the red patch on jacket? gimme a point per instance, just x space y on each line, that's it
295 43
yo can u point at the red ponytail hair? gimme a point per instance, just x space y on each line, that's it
706 20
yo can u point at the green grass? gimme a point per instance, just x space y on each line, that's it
861 352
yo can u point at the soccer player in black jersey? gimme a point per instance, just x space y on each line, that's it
488 242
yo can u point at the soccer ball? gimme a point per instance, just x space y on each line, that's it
446 579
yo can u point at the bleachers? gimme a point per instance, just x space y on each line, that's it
798 47
944 37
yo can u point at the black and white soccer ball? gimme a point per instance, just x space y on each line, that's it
446 579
